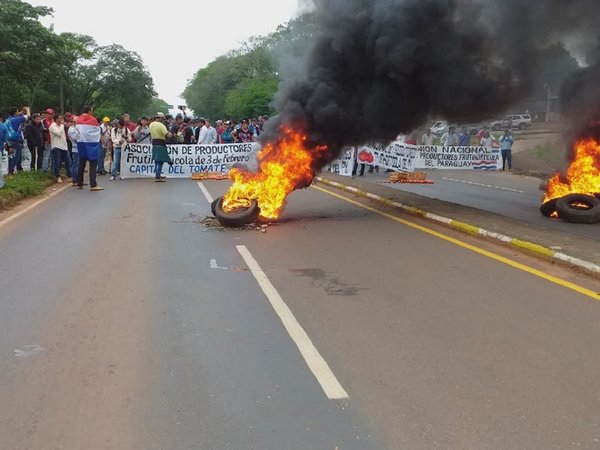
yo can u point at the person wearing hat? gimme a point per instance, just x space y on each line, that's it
160 153
105 140
47 120
226 136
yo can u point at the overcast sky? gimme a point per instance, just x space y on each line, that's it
175 39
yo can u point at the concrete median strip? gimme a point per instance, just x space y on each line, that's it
529 247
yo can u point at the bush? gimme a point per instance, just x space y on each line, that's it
23 185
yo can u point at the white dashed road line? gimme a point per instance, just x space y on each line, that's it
483 185
205 192
316 363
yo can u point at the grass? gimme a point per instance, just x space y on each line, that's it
23 185
550 152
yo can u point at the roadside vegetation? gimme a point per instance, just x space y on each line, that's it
22 186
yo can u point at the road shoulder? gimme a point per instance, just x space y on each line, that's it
575 251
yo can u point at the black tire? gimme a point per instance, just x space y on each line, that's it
597 195
497 127
568 210
548 208
213 206
237 218
522 126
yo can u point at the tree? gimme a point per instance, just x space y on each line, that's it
251 97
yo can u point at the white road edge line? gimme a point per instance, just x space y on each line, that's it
318 366
205 192
33 205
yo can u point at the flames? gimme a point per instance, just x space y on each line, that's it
583 175
283 166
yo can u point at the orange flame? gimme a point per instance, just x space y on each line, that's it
283 166
583 175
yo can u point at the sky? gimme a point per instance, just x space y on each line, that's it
175 39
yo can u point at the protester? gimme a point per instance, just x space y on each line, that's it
3 139
160 153
450 138
131 126
174 129
105 147
487 139
244 134
208 135
506 143
34 135
464 138
47 120
141 134
427 138
73 134
88 147
186 132
60 149
119 137
14 126
226 136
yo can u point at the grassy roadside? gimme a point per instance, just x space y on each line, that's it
23 185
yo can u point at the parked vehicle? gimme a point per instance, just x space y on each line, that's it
439 127
520 121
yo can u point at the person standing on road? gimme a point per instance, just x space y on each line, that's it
60 148
450 138
34 134
160 153
464 138
427 138
142 133
506 143
88 147
120 136
105 146
487 139
15 137
3 139
47 120
73 134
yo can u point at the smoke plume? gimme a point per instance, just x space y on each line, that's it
376 68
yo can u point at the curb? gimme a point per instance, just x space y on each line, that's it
529 247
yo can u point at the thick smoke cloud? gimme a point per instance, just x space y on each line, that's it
376 68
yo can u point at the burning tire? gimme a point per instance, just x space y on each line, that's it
549 208
579 208
213 206
237 218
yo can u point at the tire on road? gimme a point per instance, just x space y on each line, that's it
579 208
548 208
237 218
213 206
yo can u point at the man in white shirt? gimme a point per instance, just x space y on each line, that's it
208 135
60 148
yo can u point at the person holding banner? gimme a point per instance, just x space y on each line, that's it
160 153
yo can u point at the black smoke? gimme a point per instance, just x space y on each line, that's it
377 68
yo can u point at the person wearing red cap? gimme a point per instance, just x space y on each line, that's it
48 120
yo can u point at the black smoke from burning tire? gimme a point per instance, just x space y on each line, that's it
237 218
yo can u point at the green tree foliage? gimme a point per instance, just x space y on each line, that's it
43 69
242 82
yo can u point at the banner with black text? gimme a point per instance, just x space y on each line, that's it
136 159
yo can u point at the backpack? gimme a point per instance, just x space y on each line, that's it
11 134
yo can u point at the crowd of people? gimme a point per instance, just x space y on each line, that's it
55 140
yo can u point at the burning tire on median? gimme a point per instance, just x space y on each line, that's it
548 208
579 208
238 217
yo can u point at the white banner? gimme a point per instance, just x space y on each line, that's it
344 165
136 159
403 157
397 156
440 157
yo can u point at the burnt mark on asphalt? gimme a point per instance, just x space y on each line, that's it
331 285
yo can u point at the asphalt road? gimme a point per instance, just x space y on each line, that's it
125 323
502 193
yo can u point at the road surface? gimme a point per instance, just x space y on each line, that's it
126 323
502 193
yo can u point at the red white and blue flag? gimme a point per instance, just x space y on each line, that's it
88 145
